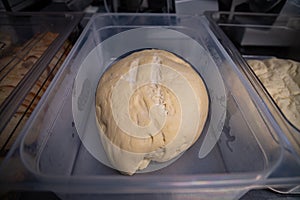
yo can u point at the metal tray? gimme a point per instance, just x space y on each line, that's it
33 46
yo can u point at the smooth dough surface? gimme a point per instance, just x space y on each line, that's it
150 105
281 78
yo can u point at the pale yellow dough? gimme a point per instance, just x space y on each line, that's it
165 106
281 78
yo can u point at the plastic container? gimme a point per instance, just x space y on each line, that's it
32 48
259 37
49 154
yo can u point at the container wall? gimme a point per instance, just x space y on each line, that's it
247 149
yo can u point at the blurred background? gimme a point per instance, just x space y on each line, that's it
153 6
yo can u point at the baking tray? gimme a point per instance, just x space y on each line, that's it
33 46
49 154
262 36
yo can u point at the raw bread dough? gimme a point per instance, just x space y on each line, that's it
150 105
281 78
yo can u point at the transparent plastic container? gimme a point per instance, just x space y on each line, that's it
49 154
32 48
257 36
